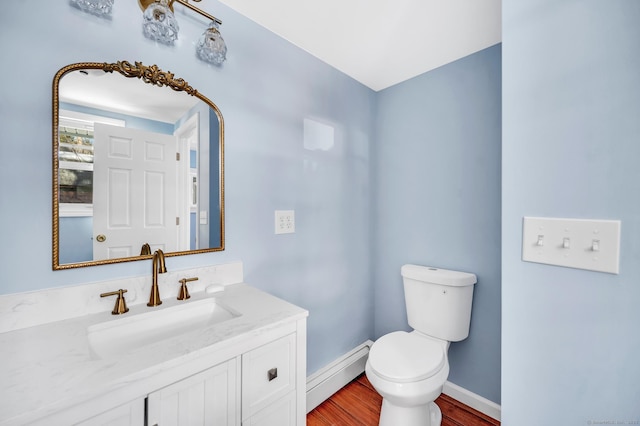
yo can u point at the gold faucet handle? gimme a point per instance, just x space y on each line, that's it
121 305
184 291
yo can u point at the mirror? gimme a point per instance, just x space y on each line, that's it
138 165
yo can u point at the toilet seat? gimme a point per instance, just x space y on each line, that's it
405 357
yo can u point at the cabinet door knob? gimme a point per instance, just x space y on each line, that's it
272 374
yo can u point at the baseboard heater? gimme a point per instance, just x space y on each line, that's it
330 379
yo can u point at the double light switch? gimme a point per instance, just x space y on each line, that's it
574 243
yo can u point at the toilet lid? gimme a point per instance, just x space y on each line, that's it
404 357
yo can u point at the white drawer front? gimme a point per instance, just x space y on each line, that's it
268 373
281 413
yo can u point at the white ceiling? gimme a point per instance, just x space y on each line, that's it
380 42
111 92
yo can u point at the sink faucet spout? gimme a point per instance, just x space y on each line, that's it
158 267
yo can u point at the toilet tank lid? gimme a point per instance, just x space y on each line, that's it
438 276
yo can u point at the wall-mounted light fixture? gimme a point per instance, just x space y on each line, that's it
160 24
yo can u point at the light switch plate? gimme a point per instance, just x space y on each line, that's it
203 217
575 243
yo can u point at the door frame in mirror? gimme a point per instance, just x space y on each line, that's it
149 75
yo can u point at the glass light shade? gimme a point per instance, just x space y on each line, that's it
211 46
95 7
159 23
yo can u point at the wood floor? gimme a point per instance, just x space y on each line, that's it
358 404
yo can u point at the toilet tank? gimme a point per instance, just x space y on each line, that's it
438 301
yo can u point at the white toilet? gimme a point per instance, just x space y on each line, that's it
409 369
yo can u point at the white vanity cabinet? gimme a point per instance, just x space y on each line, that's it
207 398
256 388
262 385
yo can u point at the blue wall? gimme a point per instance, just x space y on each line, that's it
437 201
76 244
265 91
571 146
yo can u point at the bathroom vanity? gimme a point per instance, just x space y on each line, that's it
233 355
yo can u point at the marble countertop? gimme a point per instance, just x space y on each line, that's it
51 367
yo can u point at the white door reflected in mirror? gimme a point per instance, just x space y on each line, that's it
134 187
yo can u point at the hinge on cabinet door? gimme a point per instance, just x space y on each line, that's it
177 221
177 156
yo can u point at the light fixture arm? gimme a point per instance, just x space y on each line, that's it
145 3
197 10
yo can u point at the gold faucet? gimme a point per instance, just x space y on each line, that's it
158 268
146 249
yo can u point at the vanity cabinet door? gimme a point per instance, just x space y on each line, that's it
207 398
131 414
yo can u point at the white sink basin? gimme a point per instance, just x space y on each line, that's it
126 334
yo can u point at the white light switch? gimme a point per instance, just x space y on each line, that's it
574 243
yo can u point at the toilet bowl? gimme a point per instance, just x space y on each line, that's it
409 369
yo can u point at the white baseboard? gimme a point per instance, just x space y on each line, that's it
330 379
473 400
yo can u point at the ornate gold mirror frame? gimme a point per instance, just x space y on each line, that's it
154 76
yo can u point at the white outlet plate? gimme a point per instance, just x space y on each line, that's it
285 222
575 243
